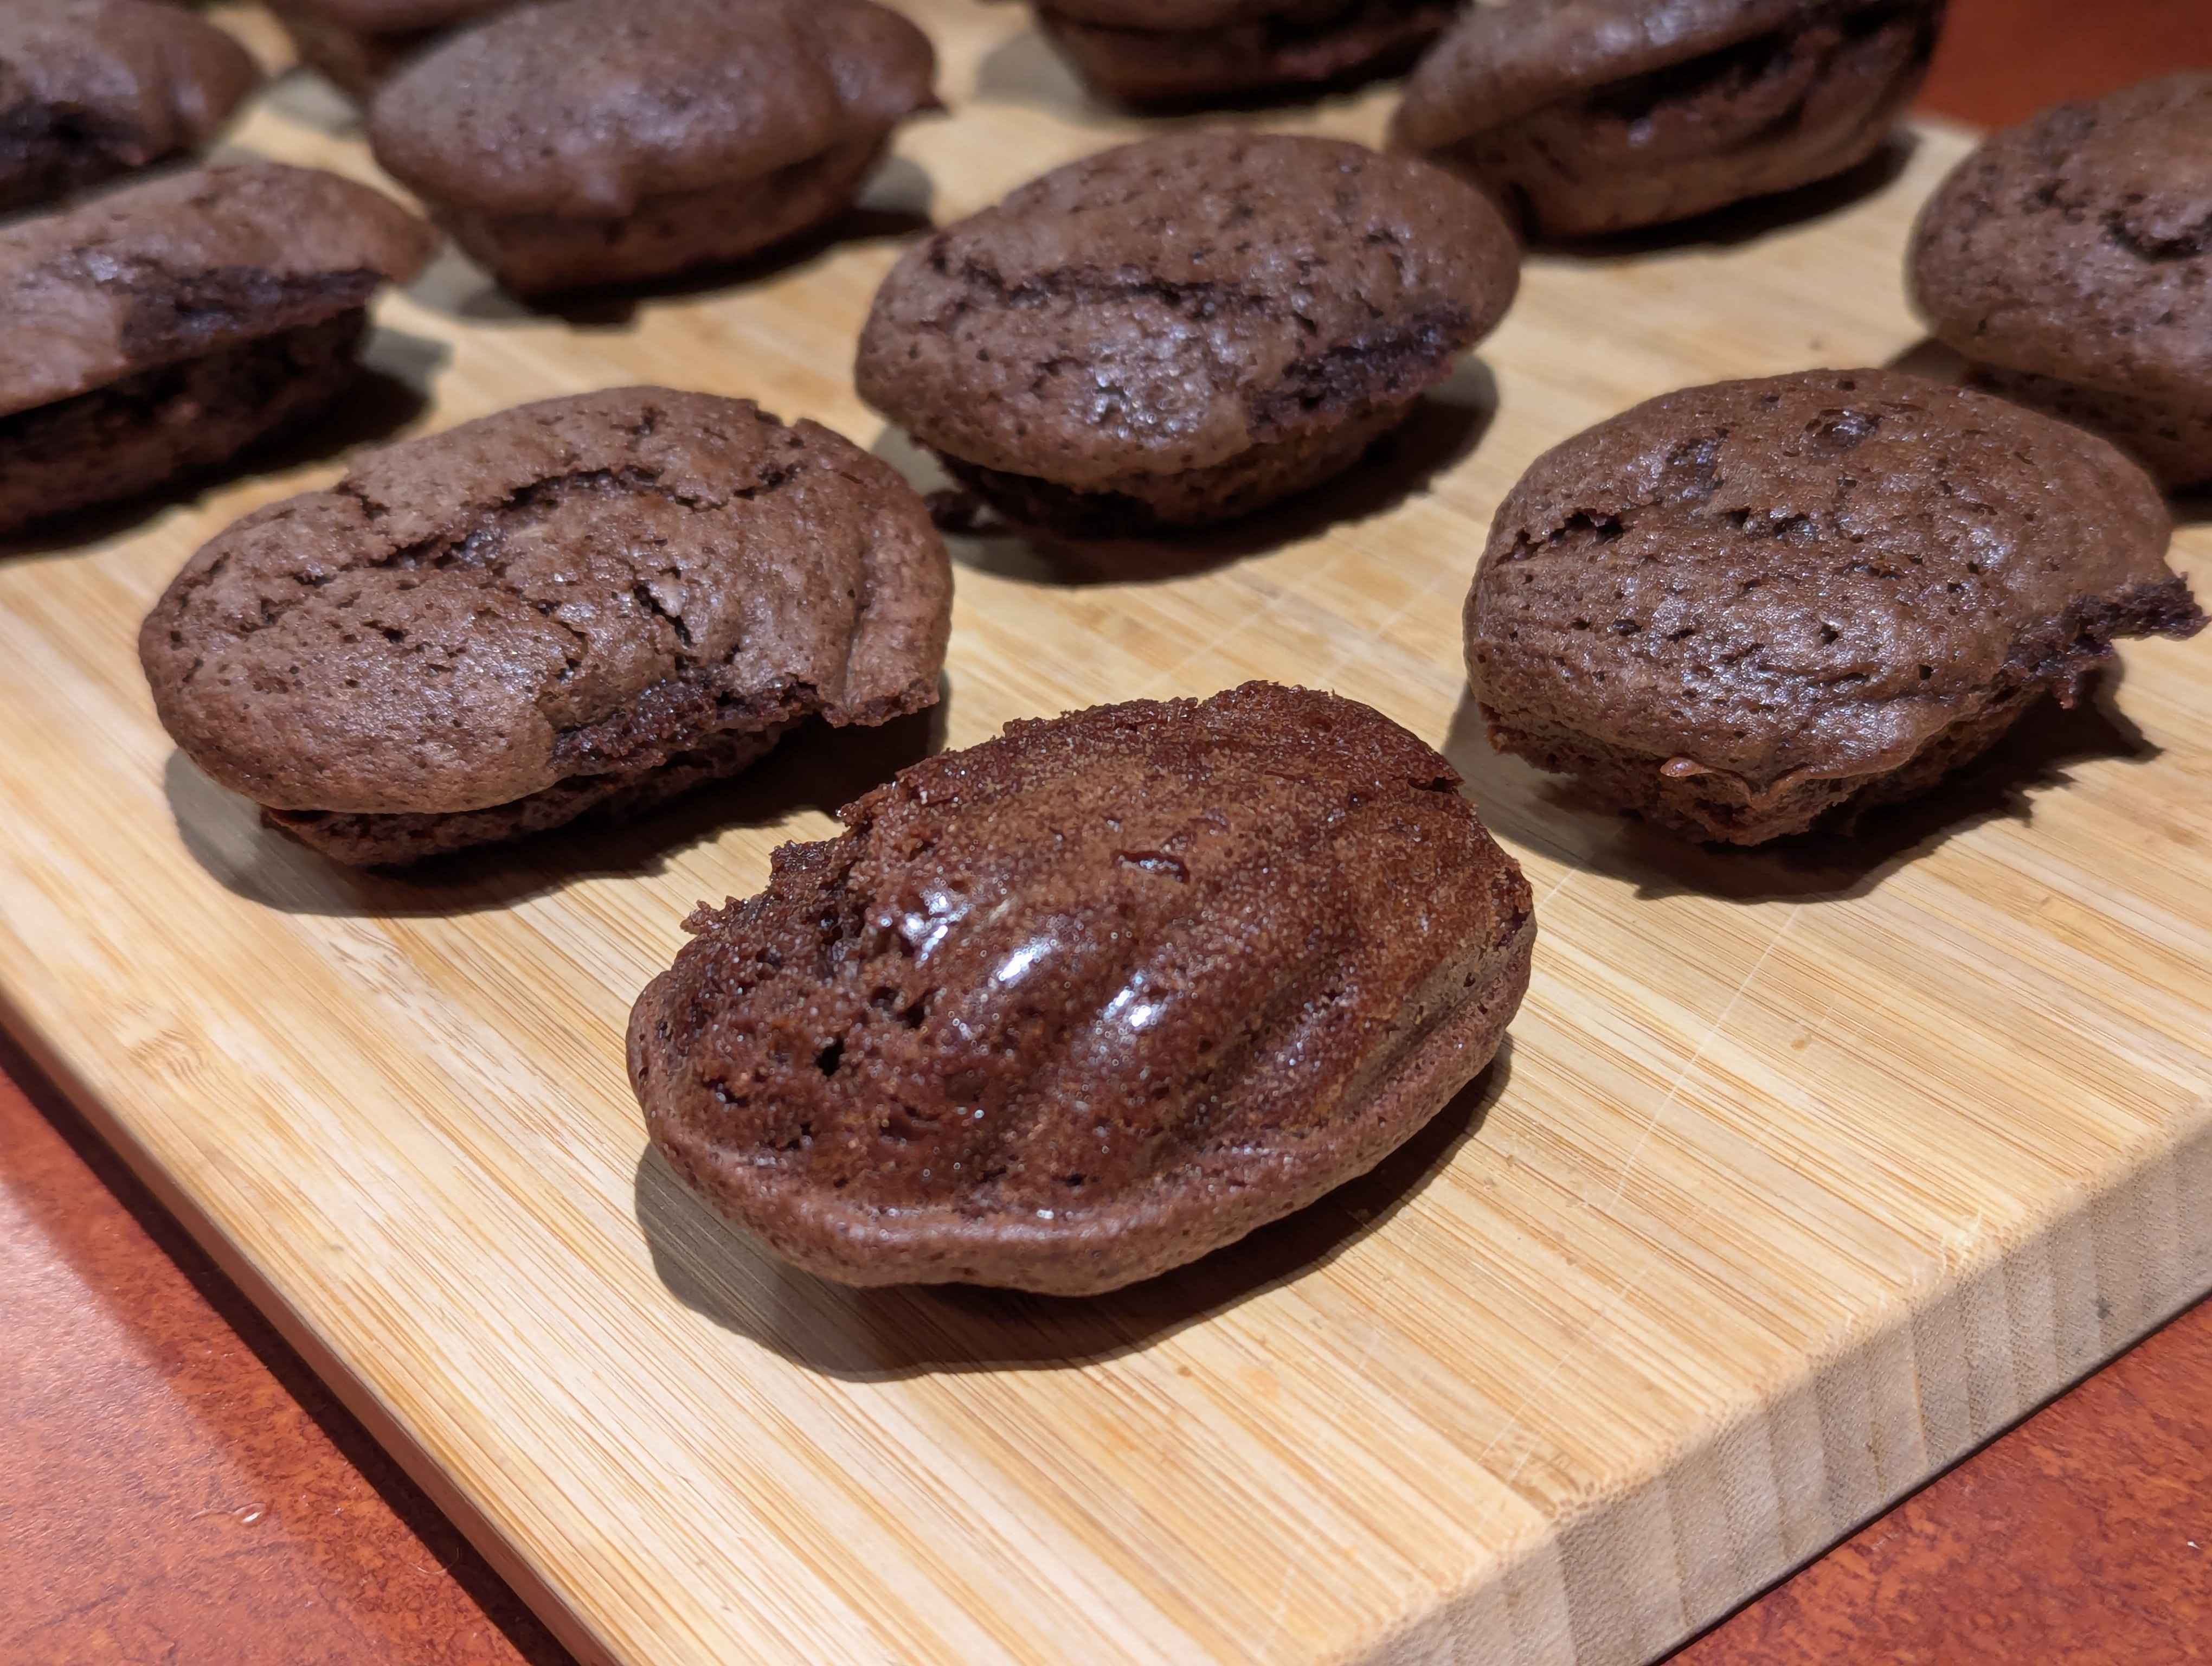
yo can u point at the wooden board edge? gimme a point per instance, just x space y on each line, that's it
384 1426
1610 1584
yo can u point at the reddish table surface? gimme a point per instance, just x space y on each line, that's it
176 1486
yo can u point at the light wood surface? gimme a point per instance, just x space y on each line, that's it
1802 1174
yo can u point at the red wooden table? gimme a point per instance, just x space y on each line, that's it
175 1486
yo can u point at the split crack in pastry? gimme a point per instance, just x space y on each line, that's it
163 328
90 90
581 606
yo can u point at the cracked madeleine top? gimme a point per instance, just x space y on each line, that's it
1087 1000
1169 304
2079 245
586 108
139 80
1811 574
585 585
182 265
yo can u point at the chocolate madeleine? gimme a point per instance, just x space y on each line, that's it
93 89
1602 115
2070 260
358 43
1079 1005
1186 51
161 329
583 606
1185 330
1740 608
606 140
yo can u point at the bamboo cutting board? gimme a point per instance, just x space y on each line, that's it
1802 1173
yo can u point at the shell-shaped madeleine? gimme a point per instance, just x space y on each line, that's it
1086 1001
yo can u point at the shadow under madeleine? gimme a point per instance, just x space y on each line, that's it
893 1332
815 766
1747 221
1440 430
1830 862
1025 68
